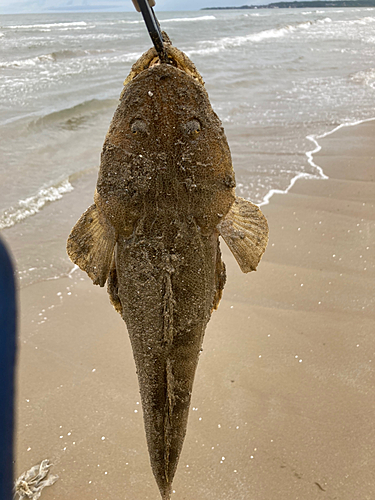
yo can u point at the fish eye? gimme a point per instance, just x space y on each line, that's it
192 127
139 127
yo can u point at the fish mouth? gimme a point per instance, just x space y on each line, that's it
176 58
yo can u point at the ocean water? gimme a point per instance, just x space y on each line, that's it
278 79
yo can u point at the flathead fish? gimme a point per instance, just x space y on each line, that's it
165 192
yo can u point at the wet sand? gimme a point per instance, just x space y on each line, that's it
284 398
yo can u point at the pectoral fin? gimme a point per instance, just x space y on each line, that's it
91 244
245 231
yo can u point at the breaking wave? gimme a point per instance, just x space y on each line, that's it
365 77
52 25
187 19
85 108
362 21
173 20
32 205
214 46
55 56
229 42
24 63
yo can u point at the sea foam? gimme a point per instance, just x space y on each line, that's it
366 77
310 158
172 20
187 19
33 204
52 25
236 41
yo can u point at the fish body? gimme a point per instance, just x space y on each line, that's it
165 192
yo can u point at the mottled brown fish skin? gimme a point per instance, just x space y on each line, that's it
166 295
165 141
165 192
166 168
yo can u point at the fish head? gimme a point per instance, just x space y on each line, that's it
166 147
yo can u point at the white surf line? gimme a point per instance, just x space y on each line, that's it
270 193
73 270
310 154
33 204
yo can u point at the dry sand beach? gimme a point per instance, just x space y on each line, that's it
284 398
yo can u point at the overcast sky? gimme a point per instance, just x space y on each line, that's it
9 6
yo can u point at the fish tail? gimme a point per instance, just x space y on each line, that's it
166 491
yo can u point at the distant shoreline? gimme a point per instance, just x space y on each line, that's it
302 5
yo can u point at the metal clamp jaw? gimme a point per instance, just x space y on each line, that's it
152 24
